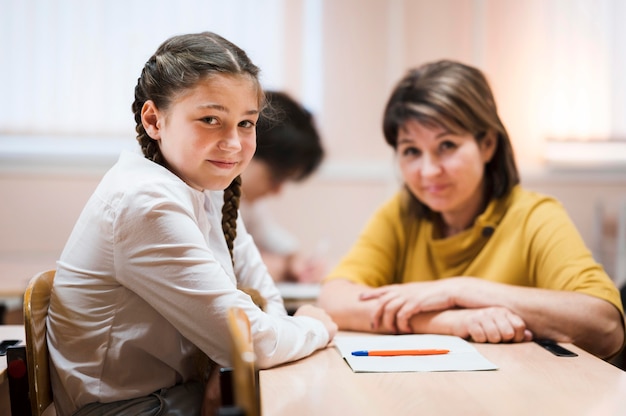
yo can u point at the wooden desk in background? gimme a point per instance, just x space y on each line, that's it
530 381
298 294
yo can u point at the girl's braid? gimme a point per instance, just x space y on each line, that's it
232 195
229 213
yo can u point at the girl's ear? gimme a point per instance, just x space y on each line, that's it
488 146
150 118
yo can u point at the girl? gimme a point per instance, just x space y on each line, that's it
152 265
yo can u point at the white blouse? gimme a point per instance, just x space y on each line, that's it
144 278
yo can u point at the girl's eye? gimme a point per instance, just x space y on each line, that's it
210 120
246 124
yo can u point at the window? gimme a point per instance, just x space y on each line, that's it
73 66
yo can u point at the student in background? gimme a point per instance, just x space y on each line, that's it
159 255
463 249
288 149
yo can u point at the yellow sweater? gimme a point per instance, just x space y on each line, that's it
523 239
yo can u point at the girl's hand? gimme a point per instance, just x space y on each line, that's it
320 315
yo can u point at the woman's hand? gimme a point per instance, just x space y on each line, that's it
320 315
398 303
492 324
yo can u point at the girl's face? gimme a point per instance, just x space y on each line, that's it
207 135
445 171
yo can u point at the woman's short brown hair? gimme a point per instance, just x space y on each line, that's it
457 98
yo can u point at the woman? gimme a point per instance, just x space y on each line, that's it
463 249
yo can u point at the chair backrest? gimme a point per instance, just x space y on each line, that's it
36 302
245 374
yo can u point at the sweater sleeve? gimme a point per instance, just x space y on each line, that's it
558 258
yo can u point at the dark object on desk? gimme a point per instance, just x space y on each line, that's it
555 348
5 344
17 372
226 386
228 407
230 411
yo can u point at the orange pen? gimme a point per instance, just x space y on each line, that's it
393 353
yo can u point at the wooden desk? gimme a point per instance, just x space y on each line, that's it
297 294
530 381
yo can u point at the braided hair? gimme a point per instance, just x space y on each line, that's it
179 64
230 210
229 213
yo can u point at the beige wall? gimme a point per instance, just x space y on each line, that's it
39 210
324 208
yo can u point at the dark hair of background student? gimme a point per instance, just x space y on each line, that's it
287 140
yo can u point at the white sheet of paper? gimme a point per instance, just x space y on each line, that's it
462 356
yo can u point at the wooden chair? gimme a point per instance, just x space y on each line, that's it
36 302
244 372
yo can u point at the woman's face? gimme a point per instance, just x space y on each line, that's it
444 171
207 135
